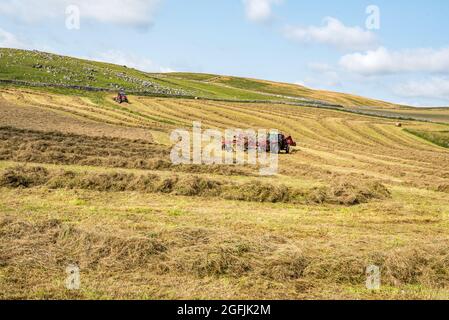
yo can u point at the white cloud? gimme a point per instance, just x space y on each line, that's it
434 88
129 60
259 10
166 70
124 12
8 40
320 67
409 104
333 33
324 76
383 61
125 59
326 80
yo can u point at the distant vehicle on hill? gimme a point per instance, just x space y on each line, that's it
122 97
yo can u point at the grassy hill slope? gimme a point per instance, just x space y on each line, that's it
40 67
279 90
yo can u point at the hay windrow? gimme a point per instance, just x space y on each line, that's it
286 264
260 192
339 193
70 149
343 192
52 244
224 260
20 177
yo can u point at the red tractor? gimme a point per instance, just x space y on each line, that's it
122 97
286 143
282 143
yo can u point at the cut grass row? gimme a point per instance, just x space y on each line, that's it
219 249
340 192
320 133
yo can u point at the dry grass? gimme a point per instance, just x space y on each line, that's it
346 192
31 116
302 268
357 191
61 245
60 148
340 193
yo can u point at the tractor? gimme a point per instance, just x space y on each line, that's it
287 143
271 144
283 143
122 97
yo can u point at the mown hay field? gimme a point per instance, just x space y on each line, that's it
86 181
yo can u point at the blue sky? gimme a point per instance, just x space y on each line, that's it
321 44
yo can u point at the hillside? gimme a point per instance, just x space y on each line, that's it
276 90
40 67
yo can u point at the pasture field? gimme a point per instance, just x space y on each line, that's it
87 181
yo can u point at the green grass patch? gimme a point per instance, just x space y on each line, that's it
440 138
41 67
